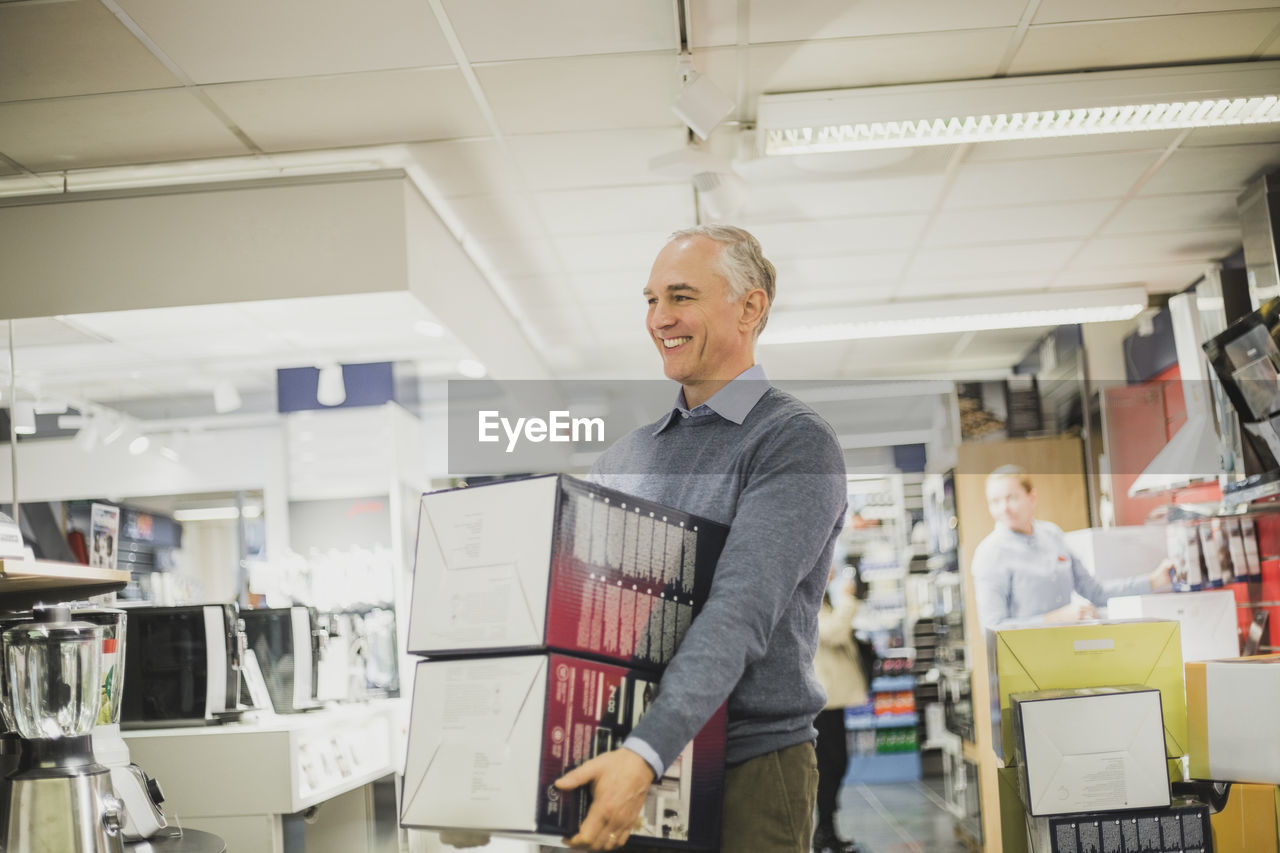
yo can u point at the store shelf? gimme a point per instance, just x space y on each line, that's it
889 683
883 767
25 582
866 722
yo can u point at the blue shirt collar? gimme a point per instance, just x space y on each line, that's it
733 402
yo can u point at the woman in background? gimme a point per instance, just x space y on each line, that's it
840 672
1023 569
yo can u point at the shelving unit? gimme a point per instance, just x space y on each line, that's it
26 582
885 748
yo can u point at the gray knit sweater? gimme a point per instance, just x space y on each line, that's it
778 479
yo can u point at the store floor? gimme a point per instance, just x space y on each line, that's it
906 817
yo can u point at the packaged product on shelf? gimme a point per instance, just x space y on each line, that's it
1091 749
1180 828
1212 559
488 737
1249 536
1231 714
1210 629
1250 820
1091 654
555 562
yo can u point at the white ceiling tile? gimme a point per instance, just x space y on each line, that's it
1154 142
495 30
842 236
855 291
247 40
713 22
817 272
1144 41
460 167
927 287
582 93
352 109
1156 278
627 253
520 258
1060 11
50 50
830 199
104 130
593 158
1198 170
599 211
982 261
1047 222
1174 213
497 218
801 20
1190 246
1095 176
1247 134
854 63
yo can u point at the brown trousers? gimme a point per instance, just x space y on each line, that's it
768 804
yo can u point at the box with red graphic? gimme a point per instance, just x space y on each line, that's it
558 563
489 736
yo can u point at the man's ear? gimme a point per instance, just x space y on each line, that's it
753 307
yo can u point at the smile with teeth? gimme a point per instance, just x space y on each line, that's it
672 343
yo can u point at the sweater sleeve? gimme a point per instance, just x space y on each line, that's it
789 509
992 585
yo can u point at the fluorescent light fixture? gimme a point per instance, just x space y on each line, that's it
331 389
1010 108
139 445
170 454
24 417
216 513
226 398
113 434
939 316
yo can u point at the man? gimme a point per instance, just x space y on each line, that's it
735 450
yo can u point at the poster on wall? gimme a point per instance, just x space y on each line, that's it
104 534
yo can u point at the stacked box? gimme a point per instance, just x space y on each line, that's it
1207 619
1231 711
1249 821
547 608
1181 828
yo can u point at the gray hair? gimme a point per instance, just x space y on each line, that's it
742 263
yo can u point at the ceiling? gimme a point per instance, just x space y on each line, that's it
529 127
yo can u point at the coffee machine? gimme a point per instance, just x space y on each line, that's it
60 798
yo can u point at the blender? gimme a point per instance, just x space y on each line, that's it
139 793
60 798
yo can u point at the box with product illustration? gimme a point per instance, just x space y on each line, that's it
1249 821
489 736
555 562
1091 749
1231 716
1182 827
1089 654
1209 626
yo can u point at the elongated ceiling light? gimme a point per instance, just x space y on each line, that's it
932 317
994 110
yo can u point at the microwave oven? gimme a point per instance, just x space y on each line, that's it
286 641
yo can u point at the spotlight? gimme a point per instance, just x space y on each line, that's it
139 445
225 397
700 104
471 368
331 389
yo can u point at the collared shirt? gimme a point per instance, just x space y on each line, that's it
733 402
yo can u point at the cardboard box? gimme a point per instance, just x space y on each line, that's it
1110 553
1249 822
554 562
1090 654
1231 714
489 736
1210 629
1181 828
1092 749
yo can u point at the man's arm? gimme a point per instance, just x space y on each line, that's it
992 587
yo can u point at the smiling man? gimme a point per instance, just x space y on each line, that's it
739 451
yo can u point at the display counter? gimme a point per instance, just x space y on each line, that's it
303 777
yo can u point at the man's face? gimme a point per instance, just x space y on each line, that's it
1010 504
700 333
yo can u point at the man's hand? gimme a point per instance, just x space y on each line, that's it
619 784
1073 612
1161 577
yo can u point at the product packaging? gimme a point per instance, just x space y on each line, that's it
1091 749
1250 820
1209 627
489 736
1249 536
1181 828
555 562
1231 714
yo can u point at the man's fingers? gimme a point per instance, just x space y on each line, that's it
578 776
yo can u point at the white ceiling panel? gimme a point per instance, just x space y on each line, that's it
714 22
100 130
1241 135
582 93
247 40
1039 222
1097 176
593 158
352 109
831 199
927 287
809 272
1153 142
1201 245
496 30
625 253
49 331
1174 213
828 19
1060 11
459 167
854 63
96 53
1145 41
856 291
497 218
982 261
611 290
513 259
1202 170
1156 278
601 211
841 236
